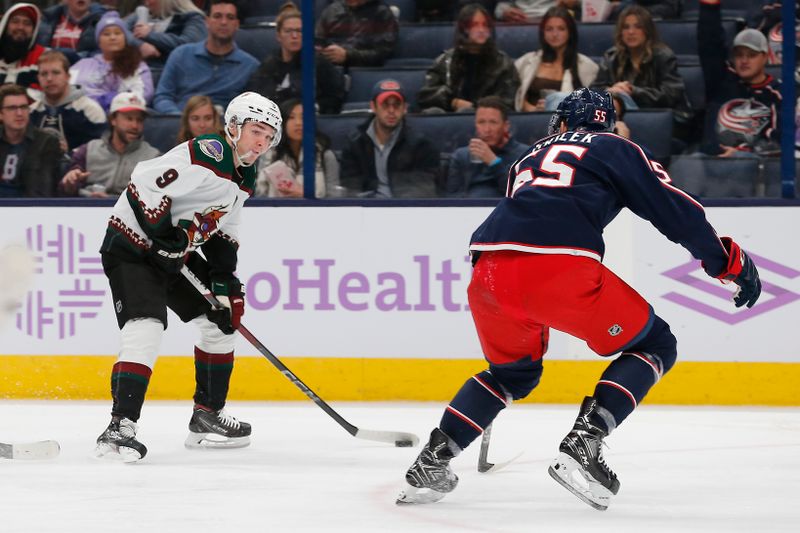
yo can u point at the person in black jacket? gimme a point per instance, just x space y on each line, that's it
384 158
472 69
743 100
279 77
641 69
357 33
30 158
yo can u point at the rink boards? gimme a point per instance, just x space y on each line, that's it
369 303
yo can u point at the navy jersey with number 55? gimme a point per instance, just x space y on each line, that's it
569 186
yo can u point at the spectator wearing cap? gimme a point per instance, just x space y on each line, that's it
69 27
116 69
102 167
62 108
480 169
18 49
743 100
215 67
160 26
280 76
29 157
357 33
385 157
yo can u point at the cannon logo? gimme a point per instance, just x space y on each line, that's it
772 296
70 286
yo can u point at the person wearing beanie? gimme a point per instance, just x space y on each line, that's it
118 67
69 27
18 49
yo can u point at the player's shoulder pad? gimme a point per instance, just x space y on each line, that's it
212 152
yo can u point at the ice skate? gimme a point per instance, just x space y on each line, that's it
580 467
118 441
216 429
430 477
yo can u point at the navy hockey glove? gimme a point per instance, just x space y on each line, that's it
742 271
169 254
230 294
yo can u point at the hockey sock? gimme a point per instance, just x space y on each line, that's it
128 386
212 373
627 379
474 407
623 385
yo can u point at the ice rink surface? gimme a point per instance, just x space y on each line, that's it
681 469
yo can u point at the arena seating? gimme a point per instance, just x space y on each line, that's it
258 41
651 128
771 178
730 8
715 177
419 42
363 79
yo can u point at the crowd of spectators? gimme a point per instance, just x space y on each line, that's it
71 60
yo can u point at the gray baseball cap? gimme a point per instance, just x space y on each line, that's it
752 39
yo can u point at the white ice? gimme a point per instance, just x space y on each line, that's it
682 470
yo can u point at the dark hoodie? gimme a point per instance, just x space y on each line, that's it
18 62
86 45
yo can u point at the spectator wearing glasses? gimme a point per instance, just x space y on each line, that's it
29 157
215 67
279 77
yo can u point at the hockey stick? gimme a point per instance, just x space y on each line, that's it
484 466
46 449
398 438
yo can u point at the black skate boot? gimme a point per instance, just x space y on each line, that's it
119 440
216 429
430 477
580 467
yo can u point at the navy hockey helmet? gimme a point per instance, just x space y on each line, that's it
584 109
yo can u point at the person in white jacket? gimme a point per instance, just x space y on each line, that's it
187 200
551 73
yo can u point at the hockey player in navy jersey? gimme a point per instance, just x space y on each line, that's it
538 264
188 200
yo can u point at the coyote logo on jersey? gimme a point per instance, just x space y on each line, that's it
203 225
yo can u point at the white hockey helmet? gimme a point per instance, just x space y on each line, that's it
252 107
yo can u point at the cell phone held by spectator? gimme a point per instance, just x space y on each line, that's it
281 179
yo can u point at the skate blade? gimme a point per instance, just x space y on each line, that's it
110 452
568 473
213 440
411 495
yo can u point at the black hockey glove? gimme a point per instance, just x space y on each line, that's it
742 271
230 294
169 254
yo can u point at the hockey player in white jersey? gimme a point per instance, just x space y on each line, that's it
187 201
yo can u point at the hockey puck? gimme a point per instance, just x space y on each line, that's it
403 443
